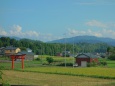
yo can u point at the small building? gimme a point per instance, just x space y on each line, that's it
28 50
58 54
9 50
2 50
84 58
29 55
67 53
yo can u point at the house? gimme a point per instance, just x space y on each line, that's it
2 50
29 55
58 54
28 50
9 50
84 58
67 53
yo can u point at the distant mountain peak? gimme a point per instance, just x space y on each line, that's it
86 39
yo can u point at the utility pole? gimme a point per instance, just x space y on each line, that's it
73 47
65 49
73 51
41 54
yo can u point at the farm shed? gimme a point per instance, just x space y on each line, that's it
84 58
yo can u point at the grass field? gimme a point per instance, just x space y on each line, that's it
42 79
35 73
96 72
57 60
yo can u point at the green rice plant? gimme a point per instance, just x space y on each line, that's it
106 73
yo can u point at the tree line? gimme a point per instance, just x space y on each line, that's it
111 53
39 47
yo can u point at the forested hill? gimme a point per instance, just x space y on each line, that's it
39 47
86 39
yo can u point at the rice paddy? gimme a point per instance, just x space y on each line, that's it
42 79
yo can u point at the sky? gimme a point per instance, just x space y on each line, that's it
48 20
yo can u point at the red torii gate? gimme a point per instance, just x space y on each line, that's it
21 56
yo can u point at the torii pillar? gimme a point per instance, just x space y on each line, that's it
22 57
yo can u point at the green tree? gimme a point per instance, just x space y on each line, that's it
23 48
49 59
112 57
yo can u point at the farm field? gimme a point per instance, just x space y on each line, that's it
57 60
96 72
35 73
42 79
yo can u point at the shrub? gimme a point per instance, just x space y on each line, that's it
49 59
103 63
37 59
88 64
112 57
92 64
63 64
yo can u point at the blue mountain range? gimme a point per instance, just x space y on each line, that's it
85 39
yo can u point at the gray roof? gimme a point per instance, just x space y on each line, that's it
27 53
28 49
19 53
2 48
10 48
86 55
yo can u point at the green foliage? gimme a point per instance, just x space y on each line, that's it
2 67
111 53
37 59
52 49
4 58
23 48
112 57
63 64
97 72
104 63
92 64
1 74
49 59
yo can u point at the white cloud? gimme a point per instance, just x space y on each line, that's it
3 32
72 31
96 23
17 31
99 33
86 32
48 37
109 33
32 33
17 28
